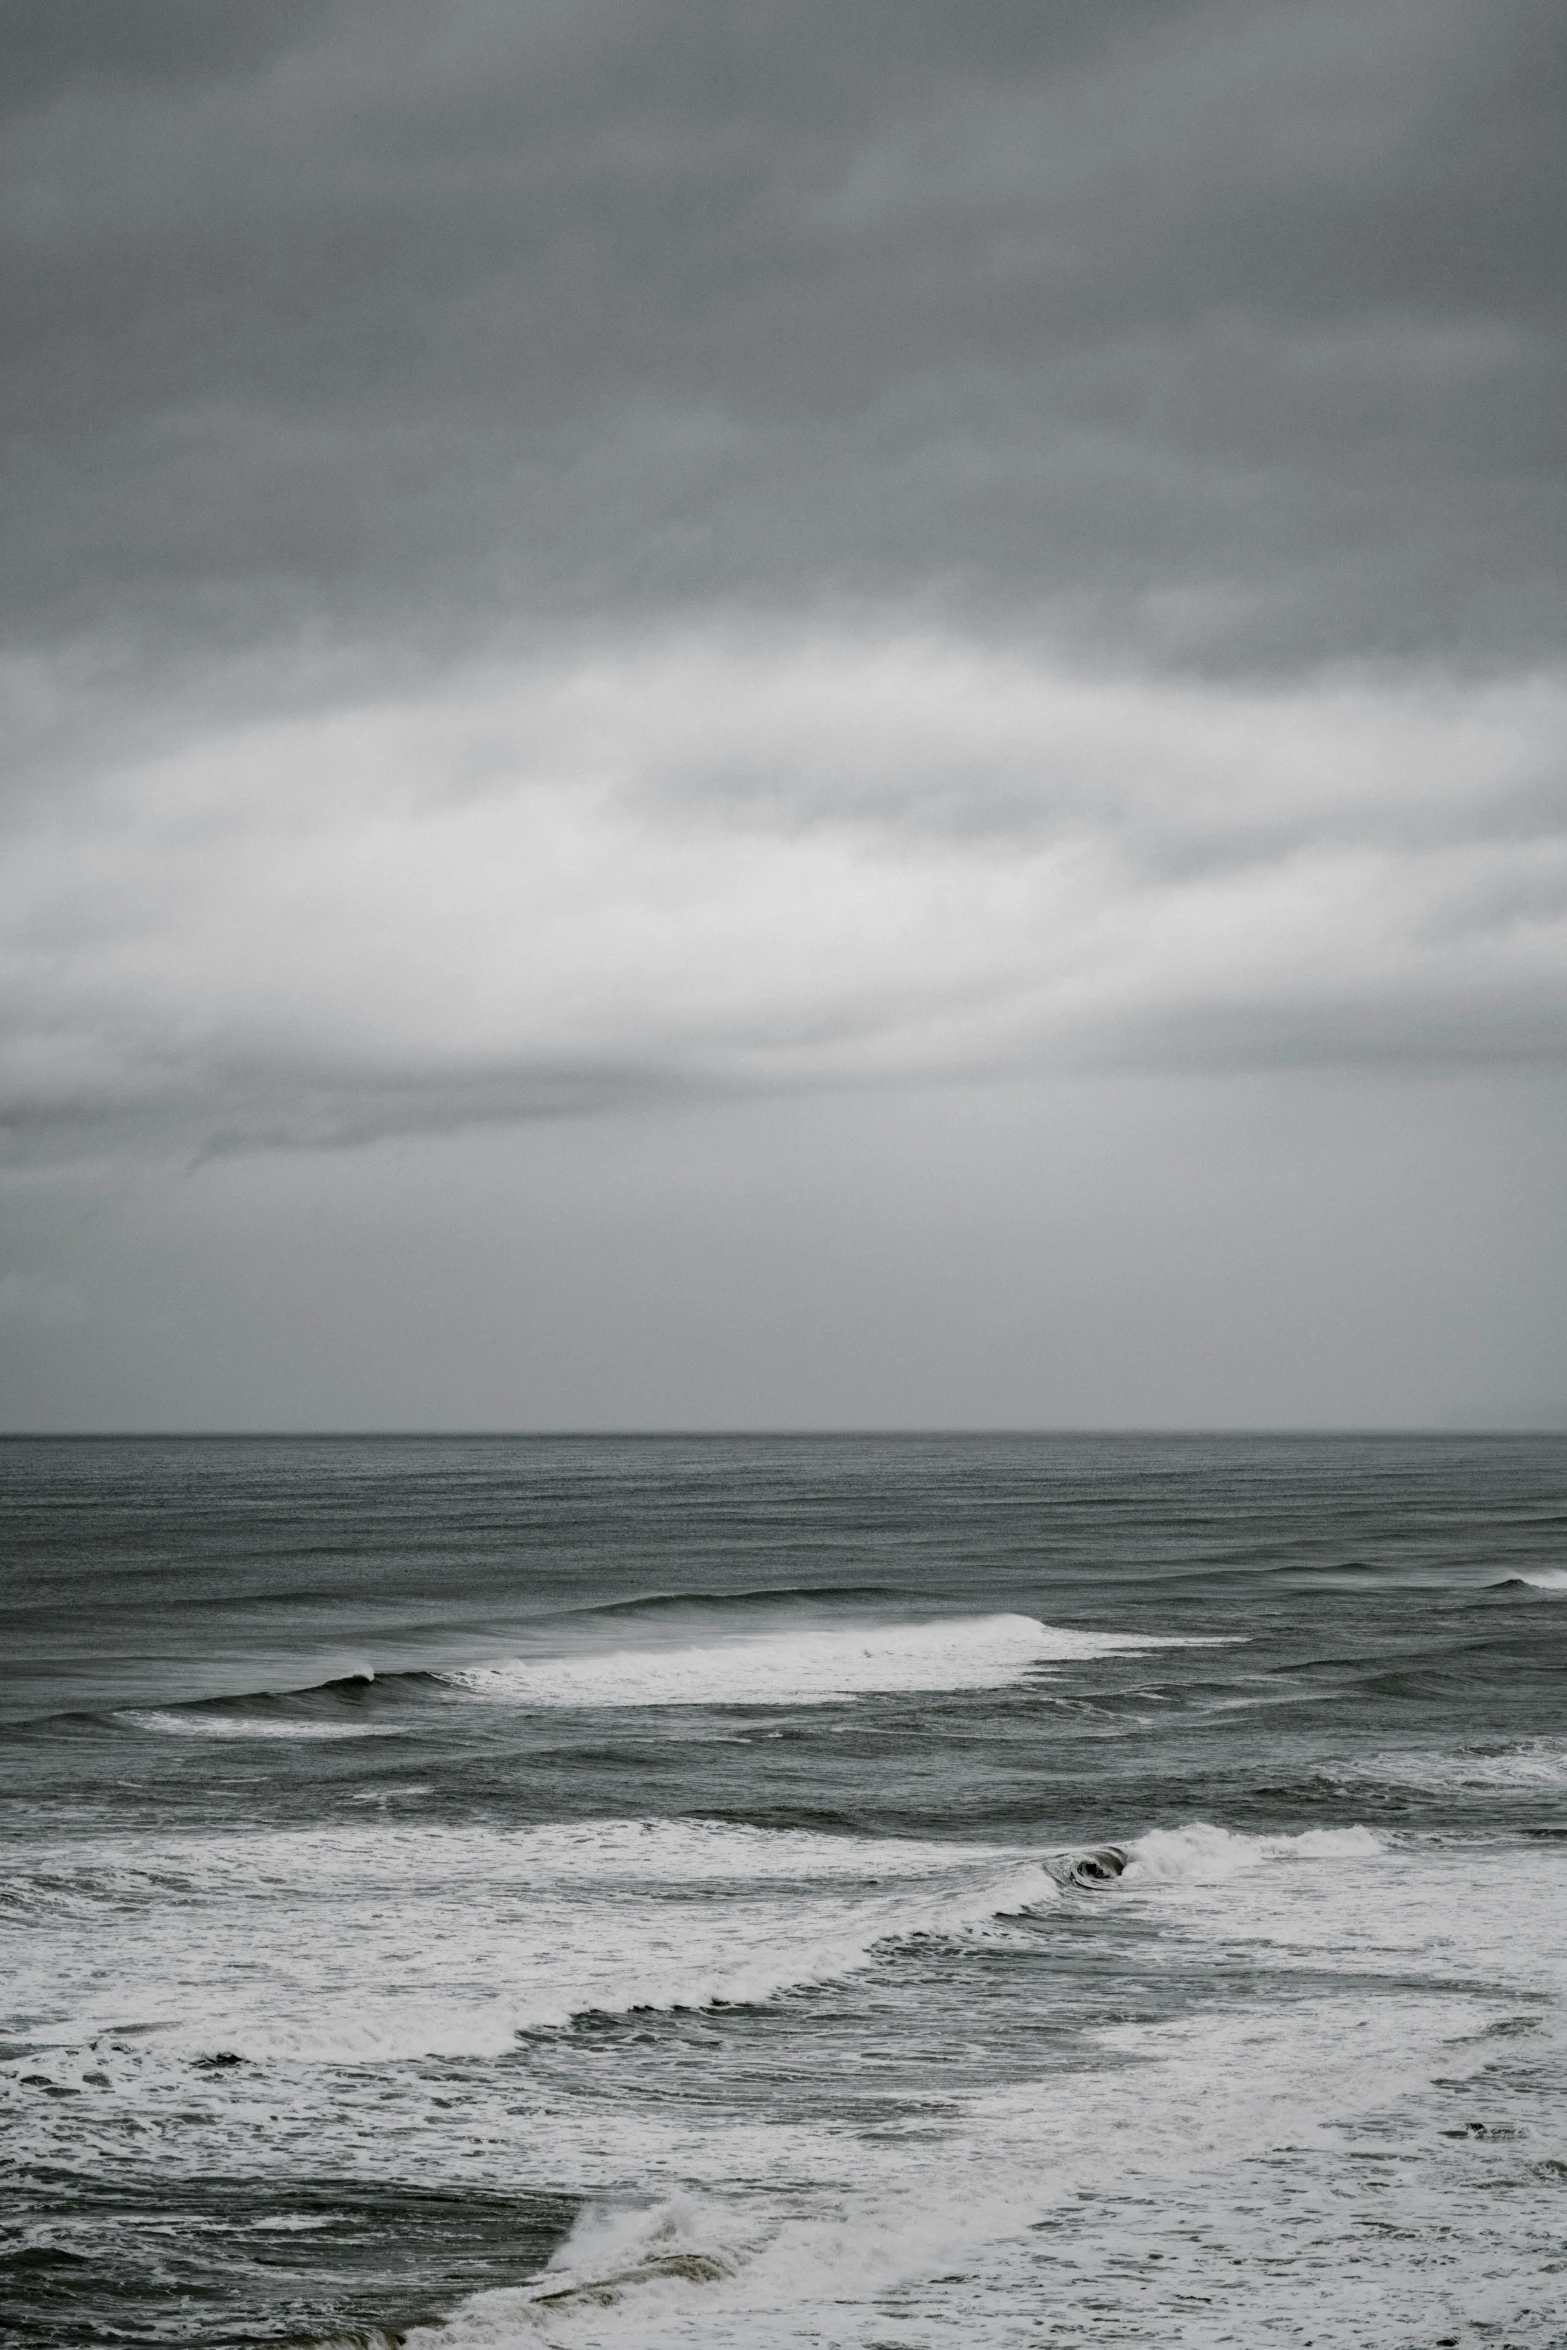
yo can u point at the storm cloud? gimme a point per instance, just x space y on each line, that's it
1231 332
589 562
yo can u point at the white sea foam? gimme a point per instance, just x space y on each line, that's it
1203 1854
1190 2195
1233 2164
383 1942
1548 1579
805 1667
1209 2178
191 1725
398 1940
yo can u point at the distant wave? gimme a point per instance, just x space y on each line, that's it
804 1667
804 1664
658 1602
352 1705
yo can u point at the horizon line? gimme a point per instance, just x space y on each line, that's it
787 1433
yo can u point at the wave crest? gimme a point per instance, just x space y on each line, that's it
816 1667
1205 1855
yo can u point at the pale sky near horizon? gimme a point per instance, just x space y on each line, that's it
840 716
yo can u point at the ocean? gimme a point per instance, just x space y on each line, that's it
889 1892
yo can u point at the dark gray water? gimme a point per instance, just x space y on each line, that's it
643 1891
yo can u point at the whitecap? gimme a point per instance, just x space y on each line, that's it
1203 1854
806 1667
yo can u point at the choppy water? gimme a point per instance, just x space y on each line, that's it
672 1892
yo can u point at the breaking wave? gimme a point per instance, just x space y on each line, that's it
1202 1854
377 1943
805 1667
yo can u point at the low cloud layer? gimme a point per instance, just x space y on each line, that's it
699 865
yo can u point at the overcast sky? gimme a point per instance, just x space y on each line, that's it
825 715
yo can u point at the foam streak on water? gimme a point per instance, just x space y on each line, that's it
837 1894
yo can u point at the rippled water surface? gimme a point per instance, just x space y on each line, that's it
874 1892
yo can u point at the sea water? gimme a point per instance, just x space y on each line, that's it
889 1892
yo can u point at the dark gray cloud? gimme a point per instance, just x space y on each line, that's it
1230 330
71 45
